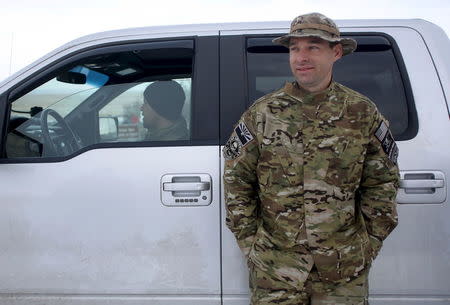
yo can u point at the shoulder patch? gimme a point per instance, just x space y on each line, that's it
383 134
381 131
240 137
243 133
232 148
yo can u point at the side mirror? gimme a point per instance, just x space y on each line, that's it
71 77
109 129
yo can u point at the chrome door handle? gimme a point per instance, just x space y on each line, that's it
183 190
186 186
418 184
422 187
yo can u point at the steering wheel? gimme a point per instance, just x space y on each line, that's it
63 144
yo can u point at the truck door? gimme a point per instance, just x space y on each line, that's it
109 177
394 69
414 266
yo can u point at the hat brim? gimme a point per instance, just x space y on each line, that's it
348 44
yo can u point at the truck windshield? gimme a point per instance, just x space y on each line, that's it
62 94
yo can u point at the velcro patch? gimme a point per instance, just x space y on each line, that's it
381 131
232 148
240 137
387 141
243 133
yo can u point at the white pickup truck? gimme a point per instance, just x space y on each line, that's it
94 212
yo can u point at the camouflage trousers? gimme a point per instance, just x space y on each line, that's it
314 292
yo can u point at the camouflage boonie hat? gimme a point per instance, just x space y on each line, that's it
316 25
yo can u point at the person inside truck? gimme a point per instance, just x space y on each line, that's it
161 110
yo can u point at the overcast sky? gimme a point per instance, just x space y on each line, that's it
30 28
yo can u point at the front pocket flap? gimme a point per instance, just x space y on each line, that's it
327 265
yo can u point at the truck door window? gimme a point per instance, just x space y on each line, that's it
374 69
138 95
129 110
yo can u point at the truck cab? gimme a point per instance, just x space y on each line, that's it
95 212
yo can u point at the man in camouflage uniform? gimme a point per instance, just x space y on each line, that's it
311 178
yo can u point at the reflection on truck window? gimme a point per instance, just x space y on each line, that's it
60 93
114 98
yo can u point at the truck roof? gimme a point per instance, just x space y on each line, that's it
245 26
420 25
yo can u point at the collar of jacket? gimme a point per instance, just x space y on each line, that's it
295 91
177 131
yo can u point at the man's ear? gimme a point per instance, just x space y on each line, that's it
338 51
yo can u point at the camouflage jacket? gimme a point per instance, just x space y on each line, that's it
178 131
311 179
